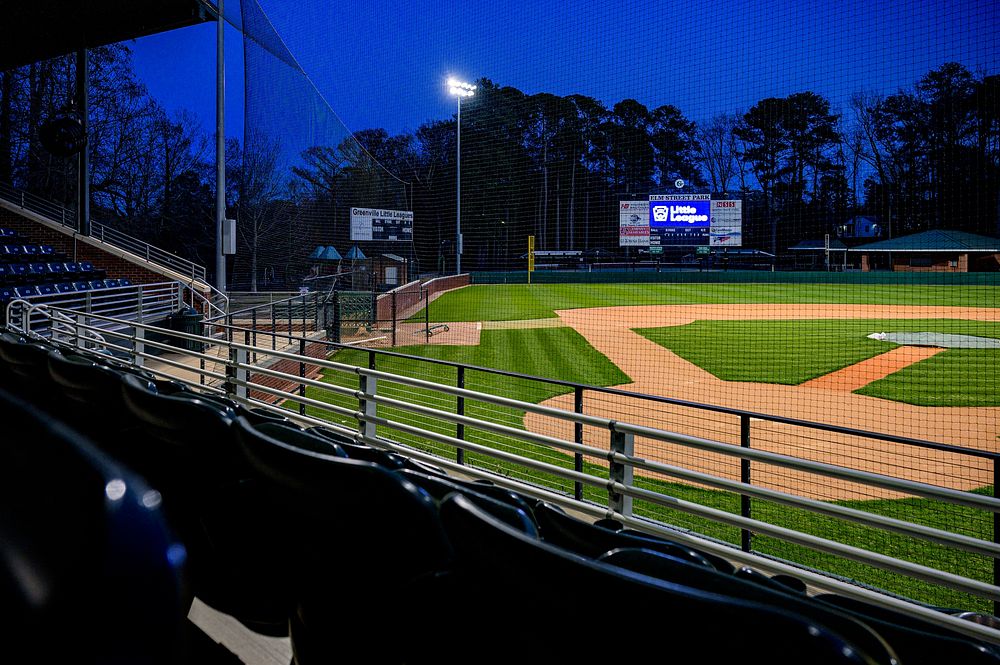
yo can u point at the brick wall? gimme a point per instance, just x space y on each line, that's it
409 297
77 249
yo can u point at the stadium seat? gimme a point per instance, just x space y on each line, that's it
39 270
27 363
13 252
515 570
111 284
30 250
6 234
72 268
81 286
56 268
25 291
64 287
124 281
355 533
7 294
188 450
588 540
439 487
18 273
96 284
46 289
88 564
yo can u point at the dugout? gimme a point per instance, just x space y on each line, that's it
938 250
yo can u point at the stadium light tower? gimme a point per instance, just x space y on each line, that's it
459 89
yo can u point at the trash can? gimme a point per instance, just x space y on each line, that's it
186 320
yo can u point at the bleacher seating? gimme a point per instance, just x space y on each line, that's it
361 553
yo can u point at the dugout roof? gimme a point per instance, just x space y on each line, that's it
36 30
935 240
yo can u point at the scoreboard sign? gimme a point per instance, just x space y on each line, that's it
379 224
679 219
633 224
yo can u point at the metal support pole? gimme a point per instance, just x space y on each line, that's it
290 319
746 536
83 159
368 386
996 531
460 410
336 317
303 316
242 374
220 149
458 198
80 344
253 326
578 438
302 375
138 347
624 443
394 318
427 316
274 329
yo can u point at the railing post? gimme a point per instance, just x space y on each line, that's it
303 315
138 303
302 375
241 374
460 410
80 320
368 386
336 317
746 536
427 315
274 329
138 347
578 438
289 320
996 530
394 318
253 326
623 443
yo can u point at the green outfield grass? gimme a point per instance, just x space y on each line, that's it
957 377
511 302
791 352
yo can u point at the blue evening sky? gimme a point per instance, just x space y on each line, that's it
383 64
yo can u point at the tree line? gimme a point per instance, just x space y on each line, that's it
927 156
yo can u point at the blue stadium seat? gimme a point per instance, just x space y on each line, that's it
124 281
7 293
96 284
56 268
25 291
72 268
46 289
4 274
65 287
30 250
13 252
18 273
111 284
39 270
47 250
6 233
81 286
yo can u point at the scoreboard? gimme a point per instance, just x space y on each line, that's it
679 219
380 224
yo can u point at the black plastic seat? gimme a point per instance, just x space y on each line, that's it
514 570
186 447
88 566
440 487
27 365
355 533
591 541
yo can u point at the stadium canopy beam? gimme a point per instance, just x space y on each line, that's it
51 28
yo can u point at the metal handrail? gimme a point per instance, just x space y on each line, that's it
66 216
237 380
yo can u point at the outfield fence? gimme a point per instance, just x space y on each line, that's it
915 536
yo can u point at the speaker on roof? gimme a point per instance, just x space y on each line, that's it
62 134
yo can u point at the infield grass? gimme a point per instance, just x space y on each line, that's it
791 352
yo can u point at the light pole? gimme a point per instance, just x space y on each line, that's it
459 89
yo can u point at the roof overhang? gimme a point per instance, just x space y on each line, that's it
47 29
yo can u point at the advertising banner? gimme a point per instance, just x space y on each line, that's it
633 224
727 224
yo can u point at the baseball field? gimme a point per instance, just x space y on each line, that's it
816 352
